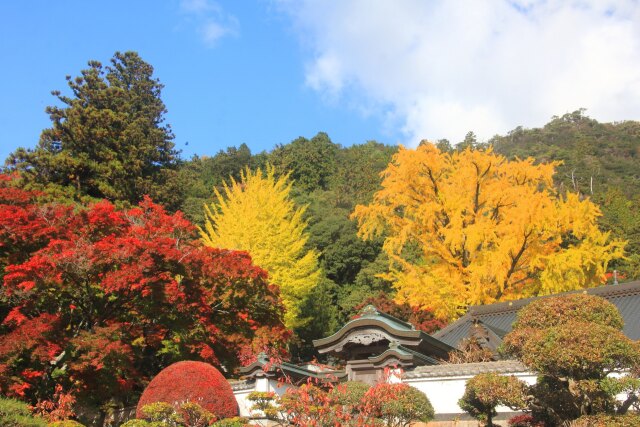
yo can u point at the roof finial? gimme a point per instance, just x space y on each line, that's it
369 311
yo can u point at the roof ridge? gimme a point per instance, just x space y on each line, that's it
451 369
610 290
371 311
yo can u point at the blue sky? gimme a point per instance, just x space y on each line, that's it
264 72
247 86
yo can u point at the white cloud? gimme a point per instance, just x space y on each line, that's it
441 68
210 20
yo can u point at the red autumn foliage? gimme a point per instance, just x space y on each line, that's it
100 299
58 409
423 320
190 381
524 420
347 405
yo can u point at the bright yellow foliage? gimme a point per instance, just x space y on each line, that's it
257 215
472 228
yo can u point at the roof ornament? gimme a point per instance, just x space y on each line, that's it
369 311
393 345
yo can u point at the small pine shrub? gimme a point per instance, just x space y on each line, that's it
161 412
231 422
14 413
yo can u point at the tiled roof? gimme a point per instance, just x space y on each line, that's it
500 316
462 369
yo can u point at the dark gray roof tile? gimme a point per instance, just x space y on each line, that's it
451 370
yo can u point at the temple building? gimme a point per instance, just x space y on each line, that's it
375 343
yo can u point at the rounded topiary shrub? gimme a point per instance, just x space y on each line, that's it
190 381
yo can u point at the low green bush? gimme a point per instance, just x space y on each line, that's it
14 413
231 422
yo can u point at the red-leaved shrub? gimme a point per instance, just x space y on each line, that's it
524 420
189 381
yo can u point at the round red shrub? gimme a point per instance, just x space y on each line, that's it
196 382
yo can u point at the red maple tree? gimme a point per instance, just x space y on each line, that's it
100 299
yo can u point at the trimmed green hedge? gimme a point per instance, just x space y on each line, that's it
14 413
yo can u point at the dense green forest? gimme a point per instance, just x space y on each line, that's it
133 154
599 160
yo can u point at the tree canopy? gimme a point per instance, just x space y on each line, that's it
257 215
107 140
471 227
311 162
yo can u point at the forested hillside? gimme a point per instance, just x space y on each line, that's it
599 160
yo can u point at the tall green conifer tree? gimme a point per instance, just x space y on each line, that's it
107 140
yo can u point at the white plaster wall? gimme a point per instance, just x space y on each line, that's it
444 392
261 384
243 404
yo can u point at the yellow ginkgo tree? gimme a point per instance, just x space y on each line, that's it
471 227
257 215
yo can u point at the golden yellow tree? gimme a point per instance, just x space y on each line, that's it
471 227
257 215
